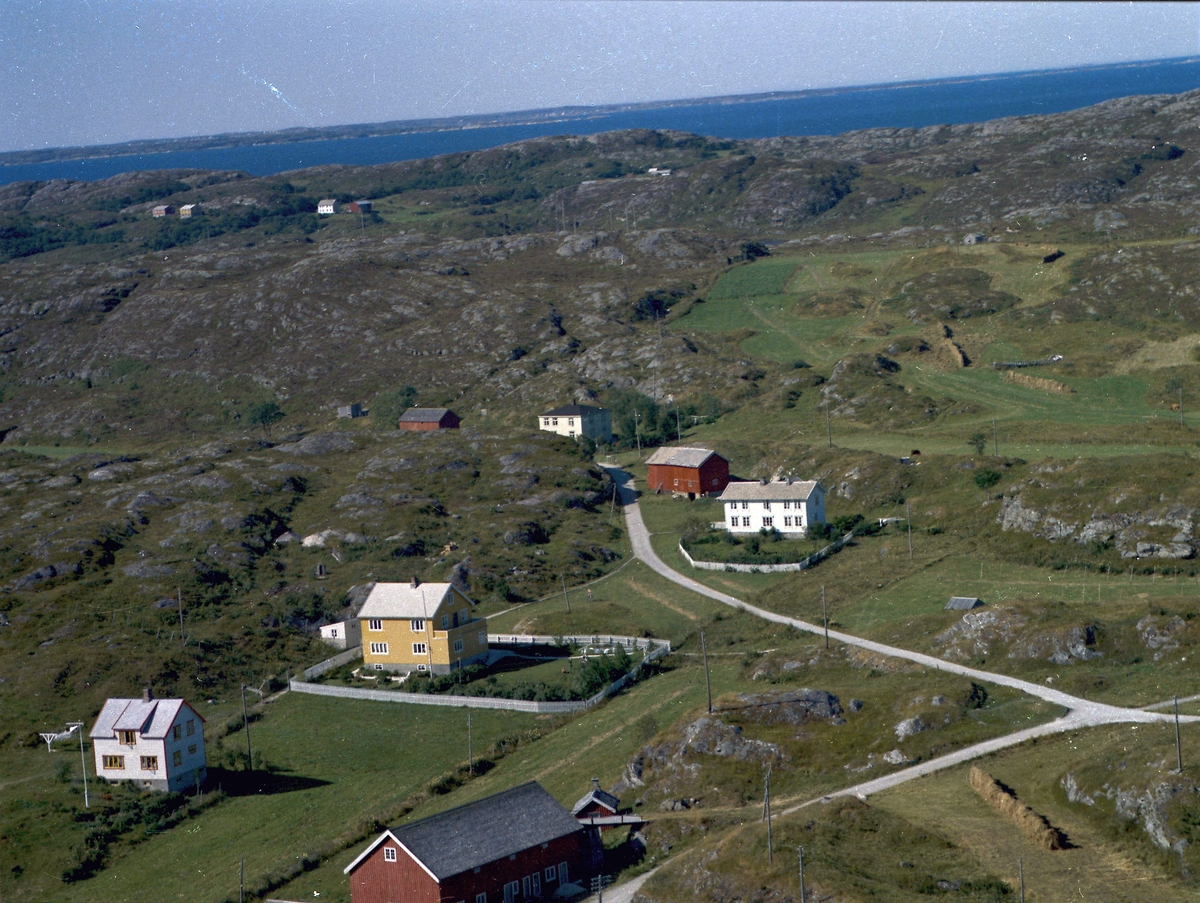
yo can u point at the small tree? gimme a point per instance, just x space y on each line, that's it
264 415
978 441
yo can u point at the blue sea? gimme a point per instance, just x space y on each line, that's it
949 101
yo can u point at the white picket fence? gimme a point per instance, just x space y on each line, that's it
808 562
654 649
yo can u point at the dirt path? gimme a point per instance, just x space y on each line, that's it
1080 712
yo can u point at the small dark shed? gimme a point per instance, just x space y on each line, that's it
963 603
429 419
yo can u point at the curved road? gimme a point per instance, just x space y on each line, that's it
1080 712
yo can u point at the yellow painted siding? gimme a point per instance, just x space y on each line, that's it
399 636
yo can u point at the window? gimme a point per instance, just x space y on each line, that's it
556 421
375 624
766 506
537 884
458 646
550 873
421 667
676 482
481 898
127 738
445 622
745 521
745 505
768 521
379 648
787 521
570 421
177 732
786 505
545 421
177 758
114 762
417 625
714 481
389 854
483 638
191 728
419 649
192 750
510 891
464 616
526 889
378 666
150 763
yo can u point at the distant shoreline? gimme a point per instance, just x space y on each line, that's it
492 120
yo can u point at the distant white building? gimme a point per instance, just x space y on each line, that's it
343 634
328 207
789 506
575 420
156 743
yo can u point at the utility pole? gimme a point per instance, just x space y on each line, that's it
908 517
825 616
179 596
1178 748
470 752
707 679
242 882
1021 878
995 439
566 598
678 428
82 761
637 434
828 424
767 816
800 850
612 508
246 727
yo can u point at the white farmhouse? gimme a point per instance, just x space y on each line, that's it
576 420
789 506
328 207
157 743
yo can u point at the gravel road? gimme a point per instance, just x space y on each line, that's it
1080 712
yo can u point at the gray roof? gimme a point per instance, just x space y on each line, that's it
403 600
573 410
963 603
682 456
770 492
473 835
151 719
596 794
423 415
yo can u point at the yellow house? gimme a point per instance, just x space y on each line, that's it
421 627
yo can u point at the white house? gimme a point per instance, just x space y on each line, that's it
157 743
328 207
578 420
789 506
343 634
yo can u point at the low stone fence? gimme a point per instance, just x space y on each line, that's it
808 562
654 650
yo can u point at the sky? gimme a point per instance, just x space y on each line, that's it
86 72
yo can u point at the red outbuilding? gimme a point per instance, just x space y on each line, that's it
428 419
515 847
688 471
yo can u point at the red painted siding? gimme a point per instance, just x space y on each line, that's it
449 421
404 881
710 478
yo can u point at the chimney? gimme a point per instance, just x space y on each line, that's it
415 583
147 694
595 785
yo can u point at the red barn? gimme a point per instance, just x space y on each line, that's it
429 419
514 847
689 471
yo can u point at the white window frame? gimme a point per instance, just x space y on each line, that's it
745 506
510 891
786 504
537 883
768 521
550 874
417 625
526 887
379 648
389 854
420 649
458 645
745 521
481 898
445 622
375 624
